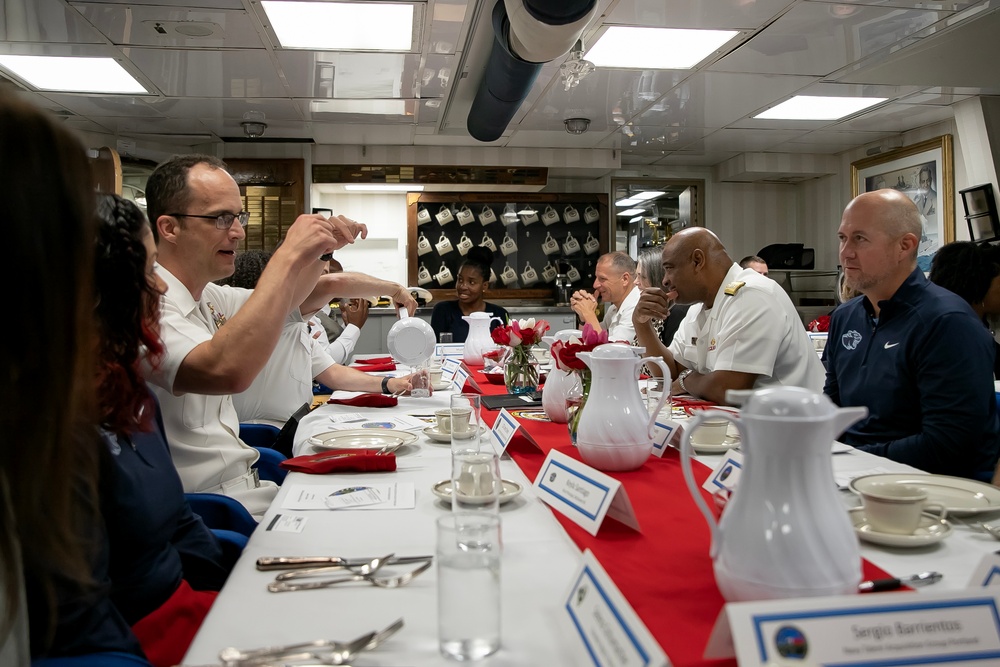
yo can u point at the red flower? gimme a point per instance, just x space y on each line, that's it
820 324
523 332
501 335
564 353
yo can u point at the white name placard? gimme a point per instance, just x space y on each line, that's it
906 628
460 378
726 474
583 494
987 573
664 428
449 350
449 367
608 628
504 429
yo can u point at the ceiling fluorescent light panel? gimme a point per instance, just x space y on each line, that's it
807 107
631 211
75 75
343 26
656 48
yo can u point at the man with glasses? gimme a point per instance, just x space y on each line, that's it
218 338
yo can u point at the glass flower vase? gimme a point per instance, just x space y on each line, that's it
520 372
576 398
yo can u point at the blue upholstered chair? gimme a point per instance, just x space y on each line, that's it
262 438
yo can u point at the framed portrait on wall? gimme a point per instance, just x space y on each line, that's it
924 173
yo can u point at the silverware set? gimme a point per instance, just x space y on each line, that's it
342 571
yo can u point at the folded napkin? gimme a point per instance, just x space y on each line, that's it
374 360
376 368
367 401
355 460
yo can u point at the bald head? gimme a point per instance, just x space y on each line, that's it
694 264
879 236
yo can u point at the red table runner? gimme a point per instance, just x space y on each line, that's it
664 572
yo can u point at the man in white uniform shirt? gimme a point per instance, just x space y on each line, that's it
218 338
743 331
614 283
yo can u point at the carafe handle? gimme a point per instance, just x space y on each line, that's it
664 396
686 454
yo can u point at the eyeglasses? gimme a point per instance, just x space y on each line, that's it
222 221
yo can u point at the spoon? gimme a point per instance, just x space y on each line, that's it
334 652
368 569
381 582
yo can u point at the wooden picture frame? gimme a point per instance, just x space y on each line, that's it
925 173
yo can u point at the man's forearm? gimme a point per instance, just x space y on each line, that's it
713 386
646 337
347 285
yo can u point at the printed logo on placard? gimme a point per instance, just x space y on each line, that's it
851 339
790 642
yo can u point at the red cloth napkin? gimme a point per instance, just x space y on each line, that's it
376 368
367 401
374 360
354 460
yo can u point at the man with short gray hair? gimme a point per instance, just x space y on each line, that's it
614 283
910 351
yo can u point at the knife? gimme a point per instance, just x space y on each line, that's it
265 563
891 584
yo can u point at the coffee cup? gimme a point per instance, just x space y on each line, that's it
460 419
710 432
897 508
443 418
435 373
476 476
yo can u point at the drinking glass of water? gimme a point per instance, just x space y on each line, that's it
468 563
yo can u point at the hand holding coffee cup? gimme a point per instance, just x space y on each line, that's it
897 508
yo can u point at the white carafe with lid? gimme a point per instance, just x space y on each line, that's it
784 532
479 340
615 431
558 381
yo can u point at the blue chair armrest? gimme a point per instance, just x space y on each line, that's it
232 544
269 465
223 512
106 659
259 435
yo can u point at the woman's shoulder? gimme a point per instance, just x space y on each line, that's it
445 306
496 310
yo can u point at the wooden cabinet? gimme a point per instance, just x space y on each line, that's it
526 220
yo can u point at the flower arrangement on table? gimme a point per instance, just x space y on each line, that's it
820 324
521 369
564 356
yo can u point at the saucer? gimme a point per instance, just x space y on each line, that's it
731 442
440 386
930 531
437 435
510 491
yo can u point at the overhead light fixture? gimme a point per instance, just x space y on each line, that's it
384 187
343 26
628 201
575 68
646 195
576 125
73 75
253 124
656 48
631 211
809 107
635 219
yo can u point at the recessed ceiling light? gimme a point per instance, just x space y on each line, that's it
628 201
655 48
78 75
648 194
342 26
631 211
807 107
384 187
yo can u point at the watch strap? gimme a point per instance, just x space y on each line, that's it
385 385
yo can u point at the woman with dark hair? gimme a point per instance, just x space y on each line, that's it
649 273
973 273
52 546
165 564
470 287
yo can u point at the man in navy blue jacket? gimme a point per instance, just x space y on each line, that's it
913 353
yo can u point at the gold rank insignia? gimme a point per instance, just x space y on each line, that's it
734 287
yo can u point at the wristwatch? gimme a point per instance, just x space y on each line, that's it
680 380
385 385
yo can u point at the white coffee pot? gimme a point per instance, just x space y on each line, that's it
615 431
784 532
558 381
479 340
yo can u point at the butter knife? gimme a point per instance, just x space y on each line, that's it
265 563
877 585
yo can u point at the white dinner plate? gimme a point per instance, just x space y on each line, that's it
411 340
930 531
960 496
443 438
364 439
510 491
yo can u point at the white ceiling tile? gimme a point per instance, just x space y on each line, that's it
896 118
371 135
549 139
816 38
214 111
946 5
321 111
106 105
202 73
695 160
155 26
934 96
44 21
697 14
330 74
741 140
129 126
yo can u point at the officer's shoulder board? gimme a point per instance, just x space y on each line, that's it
734 287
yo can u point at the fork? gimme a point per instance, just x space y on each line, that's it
381 582
367 570
335 651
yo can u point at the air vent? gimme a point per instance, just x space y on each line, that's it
186 29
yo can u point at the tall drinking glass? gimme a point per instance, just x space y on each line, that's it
475 482
466 422
468 562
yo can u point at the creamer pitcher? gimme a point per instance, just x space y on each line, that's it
479 340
